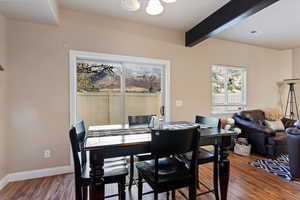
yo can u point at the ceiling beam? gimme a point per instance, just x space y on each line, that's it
231 13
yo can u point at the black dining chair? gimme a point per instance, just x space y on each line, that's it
205 156
167 173
137 121
115 169
211 122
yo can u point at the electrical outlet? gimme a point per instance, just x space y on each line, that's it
47 153
179 103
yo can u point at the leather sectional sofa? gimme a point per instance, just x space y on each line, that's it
262 139
293 141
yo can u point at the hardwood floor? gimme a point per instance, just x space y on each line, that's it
246 183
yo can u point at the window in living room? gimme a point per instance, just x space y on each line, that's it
228 89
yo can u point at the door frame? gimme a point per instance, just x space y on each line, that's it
74 55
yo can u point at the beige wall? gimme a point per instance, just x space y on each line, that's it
296 63
286 72
296 71
3 98
38 78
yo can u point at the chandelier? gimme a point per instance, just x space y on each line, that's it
154 7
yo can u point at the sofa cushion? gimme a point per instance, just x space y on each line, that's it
273 114
279 139
275 125
256 116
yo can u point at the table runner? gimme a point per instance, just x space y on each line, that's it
126 131
140 130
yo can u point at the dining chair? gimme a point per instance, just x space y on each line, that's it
115 169
205 156
212 122
136 121
167 173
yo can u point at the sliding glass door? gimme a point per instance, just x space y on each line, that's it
107 92
144 93
99 92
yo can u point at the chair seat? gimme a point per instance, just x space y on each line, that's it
108 160
115 159
112 169
204 157
172 172
143 157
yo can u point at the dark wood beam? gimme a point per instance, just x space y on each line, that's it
231 13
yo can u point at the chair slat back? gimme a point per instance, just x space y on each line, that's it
165 143
169 142
77 138
139 119
210 121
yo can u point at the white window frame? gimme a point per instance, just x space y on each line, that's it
76 55
244 90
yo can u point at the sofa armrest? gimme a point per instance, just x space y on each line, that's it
288 123
293 131
247 124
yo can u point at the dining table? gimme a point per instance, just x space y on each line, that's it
109 141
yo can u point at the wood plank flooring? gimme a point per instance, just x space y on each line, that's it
246 183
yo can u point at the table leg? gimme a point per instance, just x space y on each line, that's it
224 167
193 186
96 191
216 172
192 192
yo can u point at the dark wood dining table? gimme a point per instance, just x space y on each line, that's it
121 140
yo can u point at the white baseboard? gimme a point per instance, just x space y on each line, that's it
3 182
19 176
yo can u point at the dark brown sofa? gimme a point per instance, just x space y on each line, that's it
293 141
262 139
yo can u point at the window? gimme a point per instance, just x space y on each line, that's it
106 89
228 89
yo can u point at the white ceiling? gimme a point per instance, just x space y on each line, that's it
277 26
183 14
41 11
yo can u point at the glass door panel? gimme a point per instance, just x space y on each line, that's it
99 93
144 89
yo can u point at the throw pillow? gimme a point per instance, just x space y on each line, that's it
272 114
275 125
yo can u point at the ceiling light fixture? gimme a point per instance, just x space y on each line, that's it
131 5
154 7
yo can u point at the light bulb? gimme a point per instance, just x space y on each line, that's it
169 1
154 7
131 5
